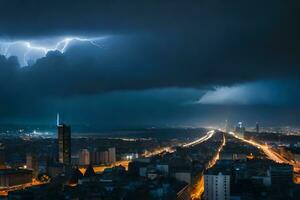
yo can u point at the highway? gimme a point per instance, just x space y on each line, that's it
170 149
158 151
4 191
214 160
273 155
199 186
208 135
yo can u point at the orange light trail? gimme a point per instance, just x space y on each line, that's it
99 169
273 155
200 140
199 186
4 191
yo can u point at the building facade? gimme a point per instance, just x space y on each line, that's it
84 157
216 186
32 163
12 177
64 144
112 155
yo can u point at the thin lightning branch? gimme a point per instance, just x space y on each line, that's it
61 46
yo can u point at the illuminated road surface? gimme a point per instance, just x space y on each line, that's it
214 160
125 163
4 191
208 135
198 189
99 169
273 155
199 186
265 148
158 151
170 149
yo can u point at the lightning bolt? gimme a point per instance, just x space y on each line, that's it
61 46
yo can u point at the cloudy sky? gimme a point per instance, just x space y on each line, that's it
117 64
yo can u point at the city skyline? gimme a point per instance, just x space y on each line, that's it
152 100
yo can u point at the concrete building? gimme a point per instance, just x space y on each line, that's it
11 177
55 169
84 157
2 159
104 157
184 176
281 173
216 186
95 157
112 155
32 163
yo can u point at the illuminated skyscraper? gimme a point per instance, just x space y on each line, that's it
64 143
240 129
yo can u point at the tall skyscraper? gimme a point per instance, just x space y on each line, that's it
257 127
240 129
64 143
227 126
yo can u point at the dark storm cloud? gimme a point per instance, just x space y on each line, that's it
150 44
139 62
159 43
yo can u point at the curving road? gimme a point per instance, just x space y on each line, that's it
208 135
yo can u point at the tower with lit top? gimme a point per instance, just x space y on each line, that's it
64 142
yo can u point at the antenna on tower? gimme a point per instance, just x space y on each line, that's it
57 119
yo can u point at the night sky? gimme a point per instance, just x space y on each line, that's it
117 64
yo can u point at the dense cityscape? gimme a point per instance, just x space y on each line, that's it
149 100
225 163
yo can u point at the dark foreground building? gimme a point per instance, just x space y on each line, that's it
64 144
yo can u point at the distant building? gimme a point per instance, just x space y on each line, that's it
227 126
11 177
84 157
216 186
112 155
2 159
281 173
233 156
185 176
64 144
104 157
163 168
240 129
55 169
95 157
257 127
32 163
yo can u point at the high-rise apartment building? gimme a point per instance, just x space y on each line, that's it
112 155
216 186
84 157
